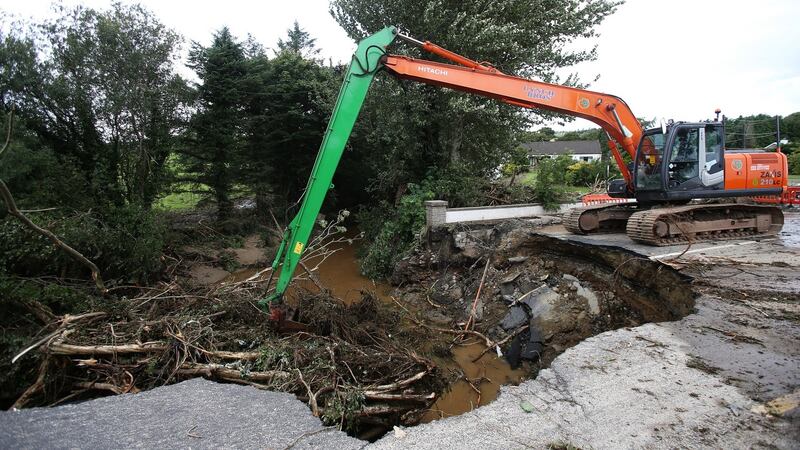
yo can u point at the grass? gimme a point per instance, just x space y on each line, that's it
179 201
528 178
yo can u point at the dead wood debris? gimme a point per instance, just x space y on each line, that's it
351 364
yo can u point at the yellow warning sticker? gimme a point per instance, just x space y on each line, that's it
652 159
298 248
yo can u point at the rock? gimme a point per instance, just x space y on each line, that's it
471 243
522 348
515 317
508 289
399 433
544 221
518 259
540 300
437 317
525 284
569 277
508 298
511 278
589 296
478 310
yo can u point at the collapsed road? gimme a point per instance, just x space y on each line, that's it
725 375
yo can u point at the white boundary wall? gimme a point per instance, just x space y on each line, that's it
437 212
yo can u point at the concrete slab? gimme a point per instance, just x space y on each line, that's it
193 414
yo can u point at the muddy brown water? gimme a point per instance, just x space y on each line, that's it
340 274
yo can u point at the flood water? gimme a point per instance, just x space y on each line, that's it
341 275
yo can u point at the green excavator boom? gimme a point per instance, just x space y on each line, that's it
363 67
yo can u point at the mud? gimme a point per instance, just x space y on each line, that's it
340 274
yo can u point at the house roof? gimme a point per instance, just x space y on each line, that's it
562 148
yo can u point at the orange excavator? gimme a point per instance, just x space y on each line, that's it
668 166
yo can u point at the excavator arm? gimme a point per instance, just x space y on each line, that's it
363 67
609 112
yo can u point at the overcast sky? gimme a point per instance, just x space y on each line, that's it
677 59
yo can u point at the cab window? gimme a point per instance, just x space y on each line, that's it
648 161
684 156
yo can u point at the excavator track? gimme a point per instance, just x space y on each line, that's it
698 223
598 218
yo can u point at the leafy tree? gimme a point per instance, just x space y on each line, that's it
754 131
541 135
516 163
287 111
213 150
99 89
299 42
794 163
99 106
790 130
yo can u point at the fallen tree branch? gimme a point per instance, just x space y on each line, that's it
220 371
243 356
397 385
421 398
474 309
66 321
312 398
501 341
33 389
486 340
383 410
58 348
104 387
11 206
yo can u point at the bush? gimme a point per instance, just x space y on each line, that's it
794 163
548 188
392 231
588 173
125 242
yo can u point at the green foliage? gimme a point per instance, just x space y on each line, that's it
343 408
755 131
392 237
794 163
589 173
790 127
543 134
298 41
273 357
125 242
393 228
286 120
213 148
515 163
551 175
99 89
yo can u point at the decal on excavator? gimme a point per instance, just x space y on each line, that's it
298 248
539 93
432 70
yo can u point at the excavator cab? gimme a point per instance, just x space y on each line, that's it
680 162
